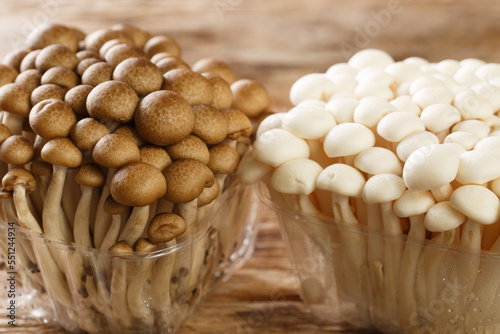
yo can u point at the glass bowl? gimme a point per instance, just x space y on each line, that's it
374 280
99 292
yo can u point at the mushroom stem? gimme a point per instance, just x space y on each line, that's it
81 228
161 301
14 122
103 219
135 225
118 286
70 196
114 230
407 302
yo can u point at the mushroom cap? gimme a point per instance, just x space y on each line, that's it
238 123
272 121
139 36
138 184
210 124
191 147
431 166
84 64
15 57
214 66
491 143
61 76
222 94
443 217
209 194
370 110
383 188
121 51
145 245
162 55
84 54
108 45
191 86
440 117
473 106
313 86
56 55
166 226
296 176
48 91
112 207
465 139
62 152
250 97
112 101
52 118
166 64
40 167
376 160
53 33
374 89
413 142
251 170
164 118
7 74
370 58
398 125
76 97
405 103
90 175
140 74
308 122
223 159
97 73
342 109
478 128
115 151
277 146
16 150
121 248
87 132
413 203
162 43
186 179
96 39
341 179
131 132
156 156
478 166
348 139
15 98
476 202
30 79
4 132
28 61
19 176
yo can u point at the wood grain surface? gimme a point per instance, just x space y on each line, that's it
275 42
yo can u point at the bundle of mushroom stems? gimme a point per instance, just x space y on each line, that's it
111 141
408 148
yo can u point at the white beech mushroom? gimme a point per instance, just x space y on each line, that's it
276 146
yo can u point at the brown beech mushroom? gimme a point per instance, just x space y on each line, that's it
166 64
76 97
28 62
166 226
156 156
84 64
238 123
87 132
222 95
211 65
30 79
15 57
118 287
112 101
56 55
42 171
140 74
84 54
138 36
48 91
164 118
61 76
162 43
250 97
97 73
131 132
15 100
16 150
186 179
210 124
191 86
89 176
191 147
137 184
223 159
95 40
52 33
119 52
62 154
116 210
208 195
52 118
7 74
108 45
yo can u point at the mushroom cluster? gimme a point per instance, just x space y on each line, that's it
410 148
111 141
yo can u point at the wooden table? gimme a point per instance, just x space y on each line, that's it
276 42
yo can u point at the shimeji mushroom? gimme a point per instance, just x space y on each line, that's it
412 205
30 79
346 140
116 210
210 124
191 86
15 104
413 142
250 97
211 65
191 147
314 86
162 43
222 95
97 73
140 74
137 184
7 74
118 288
384 188
277 146
117 52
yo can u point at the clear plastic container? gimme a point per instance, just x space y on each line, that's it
99 292
374 280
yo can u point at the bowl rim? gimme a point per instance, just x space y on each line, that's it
202 229
328 222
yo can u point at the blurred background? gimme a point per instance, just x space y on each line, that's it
275 42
